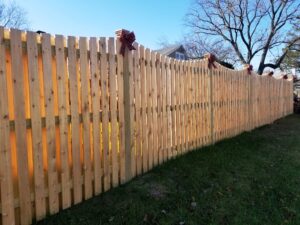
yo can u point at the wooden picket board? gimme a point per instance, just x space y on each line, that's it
148 88
184 112
179 100
132 153
227 102
195 86
36 128
188 111
207 101
201 101
220 127
168 108
223 114
145 153
193 126
73 73
113 112
187 108
184 115
173 111
183 105
105 113
198 110
85 111
218 110
138 116
177 90
62 83
163 104
159 107
20 127
50 123
95 93
6 182
121 112
206 108
155 131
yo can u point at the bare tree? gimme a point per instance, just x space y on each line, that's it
252 28
12 15
292 58
196 47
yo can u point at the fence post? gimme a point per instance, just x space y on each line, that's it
210 59
126 104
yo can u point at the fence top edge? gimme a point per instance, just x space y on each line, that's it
204 60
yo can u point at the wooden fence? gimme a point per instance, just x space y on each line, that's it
78 118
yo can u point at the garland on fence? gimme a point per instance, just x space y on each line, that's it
211 59
126 38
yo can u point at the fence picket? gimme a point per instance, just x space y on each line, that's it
6 182
74 102
85 111
154 108
34 84
20 126
95 93
105 113
138 131
62 87
113 112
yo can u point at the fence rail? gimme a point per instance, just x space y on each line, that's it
78 118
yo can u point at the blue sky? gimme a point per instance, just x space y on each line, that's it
151 20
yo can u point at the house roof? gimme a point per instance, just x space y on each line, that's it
168 50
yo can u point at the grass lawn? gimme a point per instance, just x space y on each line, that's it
250 179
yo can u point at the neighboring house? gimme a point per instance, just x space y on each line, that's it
174 51
179 52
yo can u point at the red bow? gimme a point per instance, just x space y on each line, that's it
211 60
127 38
270 74
249 69
285 77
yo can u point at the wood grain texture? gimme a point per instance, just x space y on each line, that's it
113 112
6 181
85 111
74 99
95 93
20 126
36 128
62 87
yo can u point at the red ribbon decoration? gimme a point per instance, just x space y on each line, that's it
249 69
127 38
270 74
285 77
295 79
211 60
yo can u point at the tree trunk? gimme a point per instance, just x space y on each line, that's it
261 68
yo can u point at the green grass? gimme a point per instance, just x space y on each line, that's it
250 179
